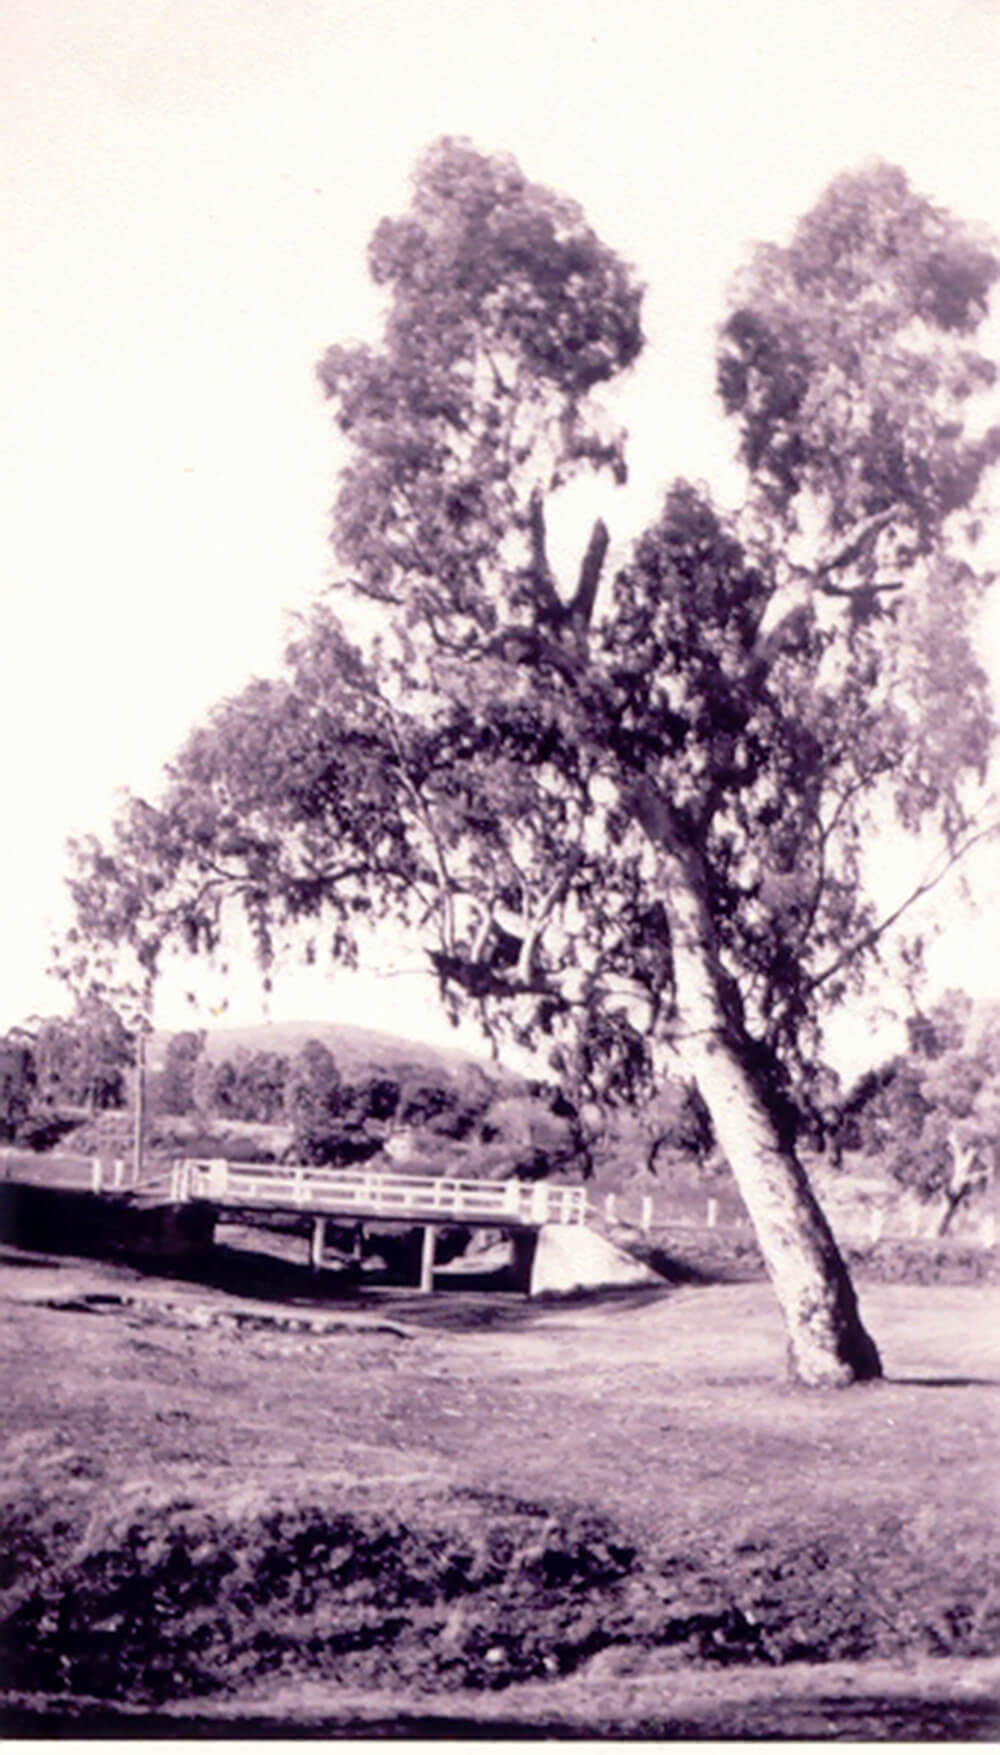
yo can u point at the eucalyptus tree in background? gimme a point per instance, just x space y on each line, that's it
18 1082
932 1114
83 1060
627 814
175 1094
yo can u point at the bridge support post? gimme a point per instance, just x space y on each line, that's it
316 1244
523 1245
427 1258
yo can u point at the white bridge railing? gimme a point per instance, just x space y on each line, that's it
389 1194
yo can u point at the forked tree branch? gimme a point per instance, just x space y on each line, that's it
792 629
536 924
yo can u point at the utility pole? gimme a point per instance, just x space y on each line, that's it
143 1024
140 1102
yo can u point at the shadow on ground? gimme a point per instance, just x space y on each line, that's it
945 1382
45 1225
871 1717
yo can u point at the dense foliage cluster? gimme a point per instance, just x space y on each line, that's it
57 1069
524 1127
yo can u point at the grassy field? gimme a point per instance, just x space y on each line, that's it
259 1502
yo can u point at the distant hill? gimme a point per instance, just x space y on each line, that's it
356 1051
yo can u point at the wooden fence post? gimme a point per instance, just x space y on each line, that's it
646 1215
611 1208
712 1215
96 1176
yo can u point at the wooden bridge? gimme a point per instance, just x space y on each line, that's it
174 1210
362 1195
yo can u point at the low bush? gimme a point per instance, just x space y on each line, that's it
478 1590
180 1136
725 1255
44 1129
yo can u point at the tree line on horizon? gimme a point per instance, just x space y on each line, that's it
927 1117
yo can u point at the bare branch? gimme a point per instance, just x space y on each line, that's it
548 601
824 833
485 927
581 609
866 940
536 925
426 820
861 593
857 542
790 628
502 388
655 815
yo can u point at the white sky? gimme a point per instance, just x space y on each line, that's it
190 189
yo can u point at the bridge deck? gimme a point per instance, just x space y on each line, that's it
363 1194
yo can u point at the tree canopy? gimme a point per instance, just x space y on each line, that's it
932 1114
628 817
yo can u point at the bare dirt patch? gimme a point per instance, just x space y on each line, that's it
214 1495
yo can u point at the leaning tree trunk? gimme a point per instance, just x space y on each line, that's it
828 1343
960 1182
952 1204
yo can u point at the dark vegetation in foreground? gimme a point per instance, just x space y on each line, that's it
470 1591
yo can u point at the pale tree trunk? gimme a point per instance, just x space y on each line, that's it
960 1183
952 1204
828 1343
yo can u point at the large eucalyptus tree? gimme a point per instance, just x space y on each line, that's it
627 814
